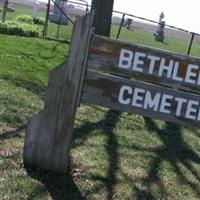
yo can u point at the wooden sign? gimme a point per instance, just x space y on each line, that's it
148 64
169 84
140 98
119 75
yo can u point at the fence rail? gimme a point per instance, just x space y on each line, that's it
142 31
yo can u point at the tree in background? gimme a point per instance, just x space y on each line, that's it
5 5
103 16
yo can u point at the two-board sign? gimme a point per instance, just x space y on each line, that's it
118 75
169 72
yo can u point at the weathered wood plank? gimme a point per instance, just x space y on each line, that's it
145 63
48 135
140 98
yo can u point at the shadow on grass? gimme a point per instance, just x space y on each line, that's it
31 81
175 151
63 187
35 86
12 134
59 186
107 126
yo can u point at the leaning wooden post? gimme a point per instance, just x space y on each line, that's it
48 135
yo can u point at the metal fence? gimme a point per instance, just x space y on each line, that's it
140 30
143 31
67 12
50 29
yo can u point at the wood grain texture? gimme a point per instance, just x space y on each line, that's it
48 135
103 90
104 56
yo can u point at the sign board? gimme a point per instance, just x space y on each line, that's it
114 74
147 64
141 98
170 84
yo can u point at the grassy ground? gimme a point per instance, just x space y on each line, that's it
114 155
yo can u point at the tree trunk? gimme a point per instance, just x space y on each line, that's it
103 16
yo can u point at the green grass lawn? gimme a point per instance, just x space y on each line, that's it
114 155
25 64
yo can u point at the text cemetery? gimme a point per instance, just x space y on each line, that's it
159 102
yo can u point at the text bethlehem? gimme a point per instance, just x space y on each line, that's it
159 66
